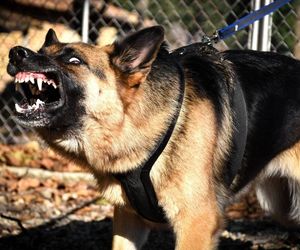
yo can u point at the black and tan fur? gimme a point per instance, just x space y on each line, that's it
119 100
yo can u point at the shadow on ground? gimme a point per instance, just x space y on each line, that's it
79 235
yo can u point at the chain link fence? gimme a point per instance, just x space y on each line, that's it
25 22
286 30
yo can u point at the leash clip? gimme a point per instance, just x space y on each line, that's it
209 40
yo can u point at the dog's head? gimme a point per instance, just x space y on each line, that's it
62 82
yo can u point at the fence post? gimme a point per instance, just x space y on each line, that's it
261 32
85 21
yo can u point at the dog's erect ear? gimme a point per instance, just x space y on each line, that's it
134 54
51 38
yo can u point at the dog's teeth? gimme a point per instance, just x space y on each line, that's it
16 80
34 106
51 82
40 83
39 102
18 108
27 78
31 79
21 80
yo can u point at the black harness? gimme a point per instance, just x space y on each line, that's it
137 183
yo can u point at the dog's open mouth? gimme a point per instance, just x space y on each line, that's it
40 90
42 96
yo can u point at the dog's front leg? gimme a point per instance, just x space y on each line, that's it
197 231
129 230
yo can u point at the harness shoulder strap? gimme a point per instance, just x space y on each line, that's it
137 183
240 133
239 109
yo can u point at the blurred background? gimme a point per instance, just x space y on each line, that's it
45 199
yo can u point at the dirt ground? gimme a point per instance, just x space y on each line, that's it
47 203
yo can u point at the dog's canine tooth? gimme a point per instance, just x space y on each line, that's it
54 85
39 102
34 106
50 82
31 79
40 83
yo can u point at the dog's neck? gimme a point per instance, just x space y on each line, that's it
137 183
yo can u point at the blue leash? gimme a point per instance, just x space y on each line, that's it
244 21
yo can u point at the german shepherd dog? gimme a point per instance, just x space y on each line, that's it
232 120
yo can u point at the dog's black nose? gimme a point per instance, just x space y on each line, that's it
18 53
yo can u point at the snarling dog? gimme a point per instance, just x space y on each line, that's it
170 137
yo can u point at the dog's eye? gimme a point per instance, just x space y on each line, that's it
74 60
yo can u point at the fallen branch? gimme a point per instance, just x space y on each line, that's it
19 222
46 174
54 220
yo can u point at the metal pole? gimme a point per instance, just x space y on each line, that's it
266 30
261 33
255 27
85 21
